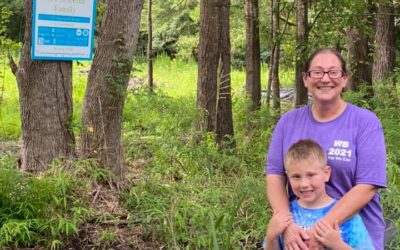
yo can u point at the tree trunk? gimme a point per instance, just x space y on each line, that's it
150 47
360 65
45 96
213 86
359 38
107 84
253 82
301 50
271 62
274 66
385 43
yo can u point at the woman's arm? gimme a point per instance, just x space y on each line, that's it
278 223
351 203
271 244
278 199
276 192
346 207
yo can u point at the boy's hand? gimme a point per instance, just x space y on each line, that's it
329 236
278 223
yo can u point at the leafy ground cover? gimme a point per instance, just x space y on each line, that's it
180 194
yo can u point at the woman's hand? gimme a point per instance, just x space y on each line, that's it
294 238
313 243
329 236
278 223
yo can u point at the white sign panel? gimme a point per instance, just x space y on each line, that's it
63 29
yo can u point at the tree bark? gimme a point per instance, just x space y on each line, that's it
385 43
213 86
150 47
301 51
274 66
359 37
253 82
45 97
269 83
107 84
359 62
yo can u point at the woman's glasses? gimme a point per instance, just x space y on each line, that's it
319 74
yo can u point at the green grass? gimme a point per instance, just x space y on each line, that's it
167 73
179 77
9 106
79 80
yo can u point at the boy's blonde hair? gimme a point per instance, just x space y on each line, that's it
305 149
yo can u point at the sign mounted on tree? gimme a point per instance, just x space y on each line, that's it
63 29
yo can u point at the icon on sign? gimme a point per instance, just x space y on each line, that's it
78 32
85 32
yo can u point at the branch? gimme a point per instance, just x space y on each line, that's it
315 19
287 21
96 194
116 222
12 64
287 18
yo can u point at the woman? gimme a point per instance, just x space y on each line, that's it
351 137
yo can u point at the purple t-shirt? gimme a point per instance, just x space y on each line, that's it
355 147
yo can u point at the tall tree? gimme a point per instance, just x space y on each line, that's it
213 85
385 42
273 80
45 97
149 46
253 75
359 38
107 84
301 50
357 45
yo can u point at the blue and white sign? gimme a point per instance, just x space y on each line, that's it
63 29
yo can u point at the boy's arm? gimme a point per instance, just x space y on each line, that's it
330 236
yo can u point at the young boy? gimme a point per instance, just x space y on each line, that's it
307 172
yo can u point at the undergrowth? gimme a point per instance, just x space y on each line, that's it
191 194
194 196
40 210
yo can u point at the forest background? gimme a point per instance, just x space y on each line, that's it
185 180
